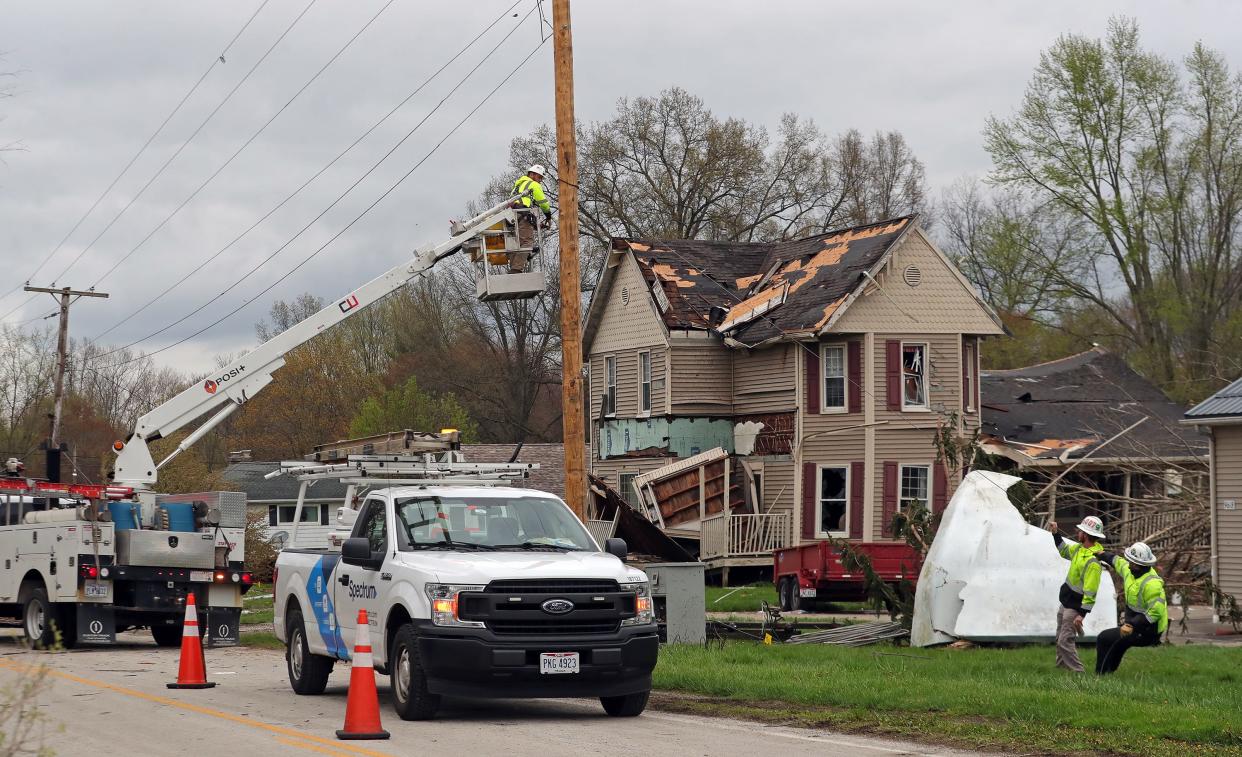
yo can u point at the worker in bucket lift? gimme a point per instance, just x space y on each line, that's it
530 187
1080 587
1146 614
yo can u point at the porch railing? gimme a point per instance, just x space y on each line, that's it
741 535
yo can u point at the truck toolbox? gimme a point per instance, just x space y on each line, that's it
164 549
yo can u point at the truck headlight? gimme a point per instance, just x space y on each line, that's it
444 599
644 610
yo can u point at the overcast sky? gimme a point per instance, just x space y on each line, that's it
96 79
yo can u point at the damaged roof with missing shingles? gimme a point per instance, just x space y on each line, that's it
1068 407
814 276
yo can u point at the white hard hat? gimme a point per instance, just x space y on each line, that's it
1092 526
537 168
1140 553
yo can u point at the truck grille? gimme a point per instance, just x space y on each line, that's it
515 607
553 586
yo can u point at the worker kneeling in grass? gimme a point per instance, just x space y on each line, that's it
1081 584
1146 614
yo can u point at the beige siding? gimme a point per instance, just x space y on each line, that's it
904 446
628 382
628 326
944 381
611 470
841 448
1227 472
941 303
701 375
763 380
778 486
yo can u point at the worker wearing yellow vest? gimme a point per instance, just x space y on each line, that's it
1080 587
1146 615
530 188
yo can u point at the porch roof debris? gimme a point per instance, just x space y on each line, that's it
796 285
1061 410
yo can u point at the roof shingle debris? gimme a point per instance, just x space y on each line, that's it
762 291
1064 409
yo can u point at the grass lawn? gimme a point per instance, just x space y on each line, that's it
261 640
257 608
1164 701
748 598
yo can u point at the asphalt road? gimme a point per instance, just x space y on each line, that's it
114 701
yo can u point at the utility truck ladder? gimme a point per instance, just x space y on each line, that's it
491 238
428 469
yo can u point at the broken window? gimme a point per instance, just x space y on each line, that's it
610 385
914 489
834 377
626 485
644 382
914 375
833 504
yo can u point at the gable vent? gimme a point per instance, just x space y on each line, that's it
625 295
912 275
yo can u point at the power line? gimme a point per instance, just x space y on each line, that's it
244 145
341 196
202 265
357 218
189 139
214 62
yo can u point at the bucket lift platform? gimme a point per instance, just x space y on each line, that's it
504 269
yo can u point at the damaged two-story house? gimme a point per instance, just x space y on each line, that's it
850 348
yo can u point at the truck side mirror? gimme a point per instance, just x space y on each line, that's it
618 547
357 551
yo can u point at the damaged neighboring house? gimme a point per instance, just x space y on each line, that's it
1058 417
789 391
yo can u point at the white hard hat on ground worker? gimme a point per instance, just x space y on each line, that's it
1092 526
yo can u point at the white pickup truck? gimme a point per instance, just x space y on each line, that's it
475 591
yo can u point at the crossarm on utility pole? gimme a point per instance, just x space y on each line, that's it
239 381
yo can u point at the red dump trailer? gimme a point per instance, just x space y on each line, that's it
813 572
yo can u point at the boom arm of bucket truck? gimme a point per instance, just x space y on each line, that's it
234 385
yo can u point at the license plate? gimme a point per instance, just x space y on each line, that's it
96 589
810 593
558 663
200 576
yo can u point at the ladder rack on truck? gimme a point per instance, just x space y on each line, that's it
364 471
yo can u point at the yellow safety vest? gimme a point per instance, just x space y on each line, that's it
1084 570
1145 594
525 182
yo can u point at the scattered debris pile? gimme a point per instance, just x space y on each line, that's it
854 635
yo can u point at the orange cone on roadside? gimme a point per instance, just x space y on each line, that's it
362 719
192 671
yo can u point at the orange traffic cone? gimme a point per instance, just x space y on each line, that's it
192 672
362 719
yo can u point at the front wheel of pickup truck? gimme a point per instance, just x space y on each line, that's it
410 697
308 673
628 706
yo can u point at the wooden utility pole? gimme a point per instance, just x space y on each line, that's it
62 360
573 418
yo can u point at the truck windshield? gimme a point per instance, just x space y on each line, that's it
491 523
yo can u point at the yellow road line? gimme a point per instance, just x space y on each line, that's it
240 719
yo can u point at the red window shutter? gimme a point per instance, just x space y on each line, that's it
940 488
890 498
965 372
892 372
856 500
812 379
810 495
854 389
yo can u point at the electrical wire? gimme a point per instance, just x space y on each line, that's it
244 145
188 140
357 218
338 199
204 263
215 61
